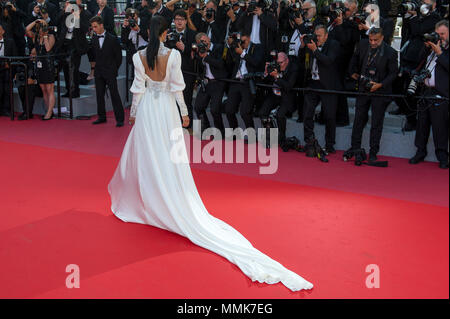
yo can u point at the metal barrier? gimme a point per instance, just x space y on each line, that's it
19 61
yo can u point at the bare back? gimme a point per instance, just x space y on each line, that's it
158 74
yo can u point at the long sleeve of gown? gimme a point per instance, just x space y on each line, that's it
138 86
177 84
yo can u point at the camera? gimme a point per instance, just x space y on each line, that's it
432 37
181 5
20 79
172 37
273 66
200 48
152 4
6 6
333 10
417 80
236 40
209 14
360 18
47 28
364 83
310 37
291 143
263 4
408 5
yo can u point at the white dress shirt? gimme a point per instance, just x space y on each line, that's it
208 73
243 69
101 40
254 37
431 66
295 43
137 40
2 47
315 68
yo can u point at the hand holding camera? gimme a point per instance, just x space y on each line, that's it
180 45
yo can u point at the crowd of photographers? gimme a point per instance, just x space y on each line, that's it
257 52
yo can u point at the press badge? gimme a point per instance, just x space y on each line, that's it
39 64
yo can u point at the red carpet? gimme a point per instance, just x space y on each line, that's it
55 212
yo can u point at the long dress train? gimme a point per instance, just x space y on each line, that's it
149 187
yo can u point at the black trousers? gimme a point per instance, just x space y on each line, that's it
75 60
213 95
100 89
4 91
287 106
239 94
408 105
329 107
433 114
34 91
363 104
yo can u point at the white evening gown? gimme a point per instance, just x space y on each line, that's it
149 188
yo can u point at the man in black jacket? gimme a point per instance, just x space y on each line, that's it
261 25
108 58
434 113
7 48
72 39
284 79
247 58
212 68
213 23
37 9
12 18
374 64
188 63
323 75
107 15
412 53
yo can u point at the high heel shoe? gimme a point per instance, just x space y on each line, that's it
44 119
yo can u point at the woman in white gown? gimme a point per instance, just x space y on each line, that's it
148 187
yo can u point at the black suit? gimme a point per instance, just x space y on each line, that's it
77 46
108 60
286 100
9 50
214 89
239 93
108 19
329 79
188 65
267 30
435 113
385 64
52 12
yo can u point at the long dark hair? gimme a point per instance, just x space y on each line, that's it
158 25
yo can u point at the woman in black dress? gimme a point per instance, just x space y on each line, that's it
44 64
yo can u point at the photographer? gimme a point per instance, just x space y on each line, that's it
43 42
34 90
189 7
244 59
283 75
232 9
374 64
107 15
213 24
261 23
323 75
417 22
134 35
434 113
7 48
72 39
156 7
181 38
43 9
211 90
11 18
